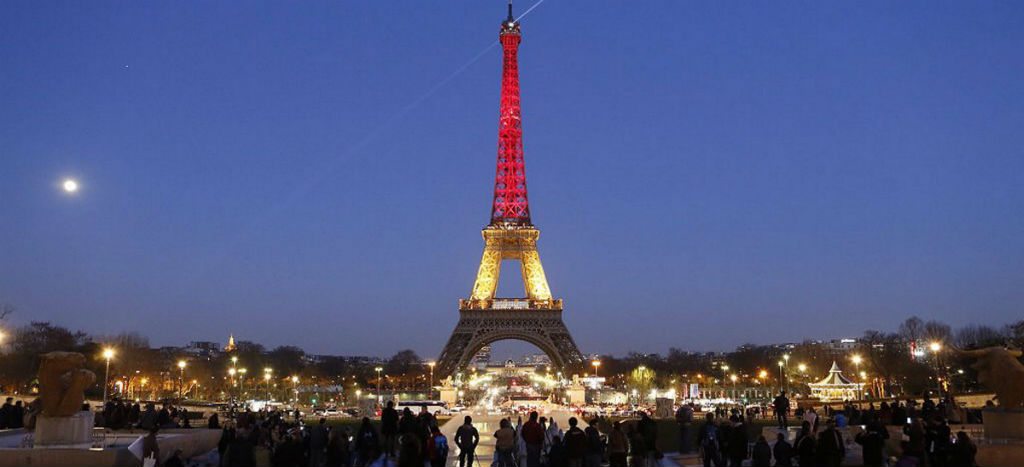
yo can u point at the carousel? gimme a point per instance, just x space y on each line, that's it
836 387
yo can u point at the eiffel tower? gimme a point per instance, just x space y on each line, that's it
511 235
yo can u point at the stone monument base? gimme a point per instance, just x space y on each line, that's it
1003 424
73 432
449 395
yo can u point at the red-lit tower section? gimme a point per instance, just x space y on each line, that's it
510 204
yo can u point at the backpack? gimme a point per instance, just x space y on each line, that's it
440 451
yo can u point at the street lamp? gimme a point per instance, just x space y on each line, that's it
856 359
936 347
181 378
242 372
380 398
732 378
597 364
266 378
295 388
431 365
782 378
108 353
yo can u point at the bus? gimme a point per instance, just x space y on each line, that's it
434 407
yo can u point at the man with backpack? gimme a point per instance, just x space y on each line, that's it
437 448
708 441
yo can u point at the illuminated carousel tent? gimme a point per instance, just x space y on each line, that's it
835 387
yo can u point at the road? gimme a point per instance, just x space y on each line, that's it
487 423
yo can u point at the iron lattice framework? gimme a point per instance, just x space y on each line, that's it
537 318
510 203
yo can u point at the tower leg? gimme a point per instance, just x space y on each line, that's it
486 283
533 276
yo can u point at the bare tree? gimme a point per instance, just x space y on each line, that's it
5 310
912 329
975 336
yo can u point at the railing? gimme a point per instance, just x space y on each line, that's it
510 304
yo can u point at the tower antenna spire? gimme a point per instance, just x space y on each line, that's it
510 17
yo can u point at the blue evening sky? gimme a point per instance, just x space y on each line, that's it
704 173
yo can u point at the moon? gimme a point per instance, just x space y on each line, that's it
70 185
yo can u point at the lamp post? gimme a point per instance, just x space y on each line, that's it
936 348
596 364
266 379
856 359
782 378
380 397
732 378
785 361
431 365
108 353
242 372
181 378
295 388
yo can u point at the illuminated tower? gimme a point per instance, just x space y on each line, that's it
510 235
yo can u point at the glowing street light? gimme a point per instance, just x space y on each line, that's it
432 365
181 378
597 364
802 367
108 353
935 346
380 397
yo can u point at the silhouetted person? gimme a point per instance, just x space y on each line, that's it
389 427
762 453
872 441
806 445
737 441
831 449
962 452
709 443
575 444
533 437
684 418
783 451
466 438
781 405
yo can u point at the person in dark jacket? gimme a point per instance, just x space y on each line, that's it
649 430
389 427
638 451
783 451
367 443
595 446
762 453
738 441
556 453
872 441
338 453
708 442
466 438
214 422
175 460
962 453
831 449
781 406
575 444
806 445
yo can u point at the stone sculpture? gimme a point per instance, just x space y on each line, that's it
1000 370
62 382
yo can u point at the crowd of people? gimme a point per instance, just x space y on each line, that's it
12 414
117 414
273 439
820 440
